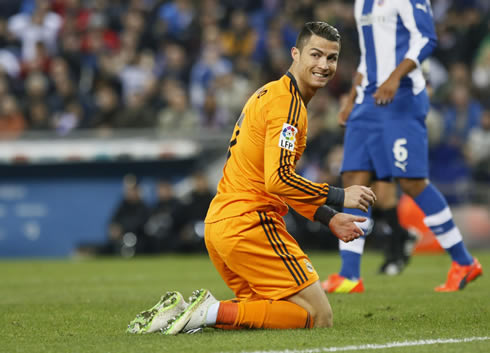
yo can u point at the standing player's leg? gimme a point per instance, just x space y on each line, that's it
399 244
357 169
407 139
438 218
348 280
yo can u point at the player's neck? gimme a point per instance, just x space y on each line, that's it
306 92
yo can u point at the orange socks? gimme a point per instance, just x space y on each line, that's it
279 314
227 313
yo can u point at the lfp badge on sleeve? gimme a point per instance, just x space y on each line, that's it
288 137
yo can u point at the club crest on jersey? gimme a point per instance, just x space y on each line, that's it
309 266
288 137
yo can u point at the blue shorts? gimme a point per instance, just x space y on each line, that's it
390 141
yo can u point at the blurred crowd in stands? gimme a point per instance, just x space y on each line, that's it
188 65
170 224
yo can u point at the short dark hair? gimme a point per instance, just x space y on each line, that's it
319 28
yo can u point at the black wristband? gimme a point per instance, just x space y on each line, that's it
335 196
324 214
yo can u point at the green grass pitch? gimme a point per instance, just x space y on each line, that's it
84 306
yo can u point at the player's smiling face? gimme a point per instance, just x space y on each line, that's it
316 62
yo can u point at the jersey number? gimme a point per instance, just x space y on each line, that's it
400 153
237 132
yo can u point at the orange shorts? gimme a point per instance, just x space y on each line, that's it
257 257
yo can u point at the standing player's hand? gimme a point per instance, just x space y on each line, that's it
346 105
385 93
358 196
343 227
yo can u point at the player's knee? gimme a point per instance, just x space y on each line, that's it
315 302
413 187
323 317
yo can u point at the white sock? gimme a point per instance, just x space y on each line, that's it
212 314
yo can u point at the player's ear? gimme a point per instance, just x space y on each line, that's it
295 53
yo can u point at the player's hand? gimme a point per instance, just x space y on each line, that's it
343 227
346 105
385 93
358 196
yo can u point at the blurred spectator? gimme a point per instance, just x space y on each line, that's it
189 220
460 28
175 18
69 50
212 115
239 40
478 149
462 114
9 61
107 72
40 26
203 73
172 62
39 116
126 228
98 35
64 89
459 74
12 122
136 73
160 226
4 86
449 166
68 118
275 53
481 70
320 142
36 90
40 62
232 91
106 107
178 115
136 114
326 108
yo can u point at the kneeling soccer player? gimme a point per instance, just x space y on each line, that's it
274 281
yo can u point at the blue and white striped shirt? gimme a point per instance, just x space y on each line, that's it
389 32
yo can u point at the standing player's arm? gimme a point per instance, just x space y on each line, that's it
347 101
417 19
385 93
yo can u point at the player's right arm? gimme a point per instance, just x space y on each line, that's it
347 102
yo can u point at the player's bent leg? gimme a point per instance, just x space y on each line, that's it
315 302
204 310
272 314
439 219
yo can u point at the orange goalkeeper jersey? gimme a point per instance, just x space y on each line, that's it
268 140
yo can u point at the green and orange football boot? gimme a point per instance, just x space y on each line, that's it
336 283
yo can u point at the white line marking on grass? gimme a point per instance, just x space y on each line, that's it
380 346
